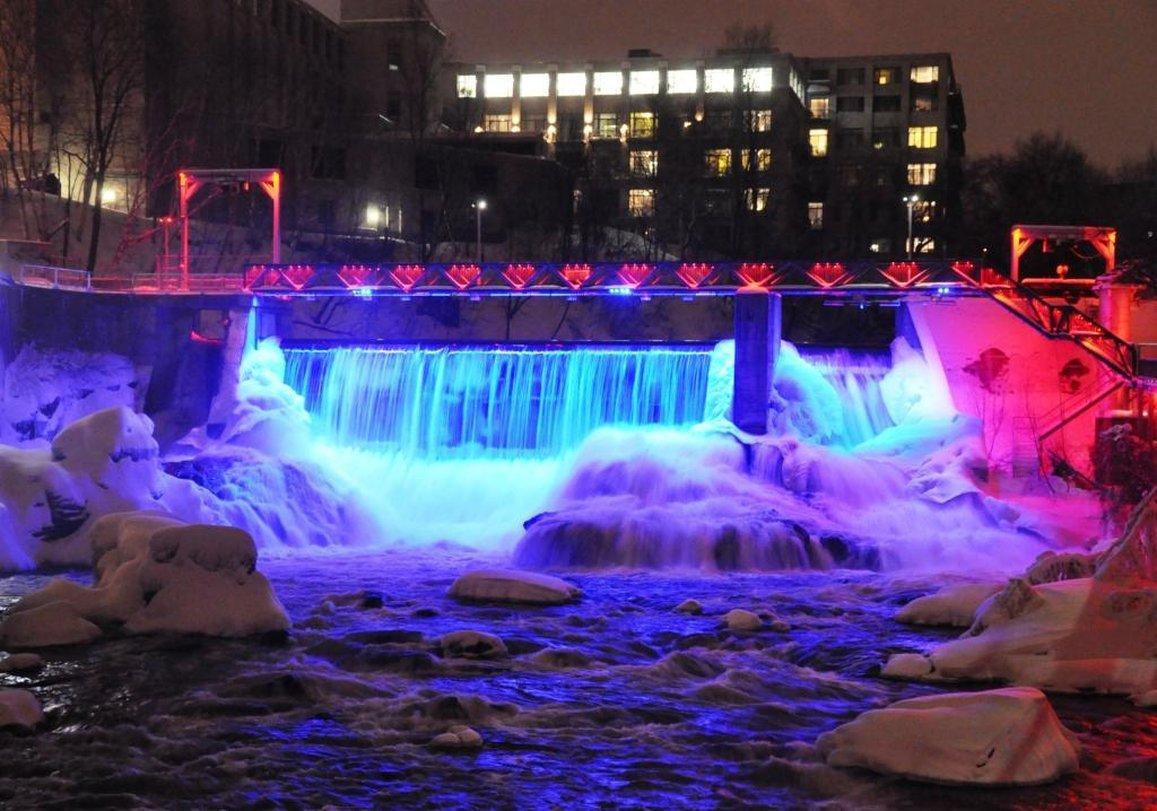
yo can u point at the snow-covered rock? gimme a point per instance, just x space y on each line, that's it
513 586
740 619
953 605
54 623
1007 737
1053 566
458 737
19 708
1133 558
156 575
472 645
1068 636
689 606
45 390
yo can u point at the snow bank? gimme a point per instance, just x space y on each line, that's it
19 708
1094 633
46 625
43 391
512 586
157 575
1008 737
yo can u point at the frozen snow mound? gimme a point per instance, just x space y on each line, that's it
953 605
1094 633
1007 737
45 390
513 586
154 575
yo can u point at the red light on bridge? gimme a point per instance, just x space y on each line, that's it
298 276
634 274
828 274
693 274
903 274
358 275
463 276
255 276
406 276
519 275
757 275
575 275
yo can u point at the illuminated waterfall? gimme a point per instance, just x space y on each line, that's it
856 376
465 402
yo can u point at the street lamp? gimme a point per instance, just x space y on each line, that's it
479 207
911 200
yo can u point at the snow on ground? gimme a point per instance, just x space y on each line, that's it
1008 737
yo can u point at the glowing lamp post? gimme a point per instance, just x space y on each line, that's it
910 200
479 207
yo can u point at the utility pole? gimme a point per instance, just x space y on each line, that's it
479 207
911 200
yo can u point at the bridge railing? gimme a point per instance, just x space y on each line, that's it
573 278
56 278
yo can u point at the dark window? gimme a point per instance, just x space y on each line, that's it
886 104
846 138
850 76
850 104
819 74
885 138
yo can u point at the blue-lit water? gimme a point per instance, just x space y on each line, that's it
617 701
516 401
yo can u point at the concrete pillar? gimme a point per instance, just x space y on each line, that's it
758 324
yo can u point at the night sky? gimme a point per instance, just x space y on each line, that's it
1088 69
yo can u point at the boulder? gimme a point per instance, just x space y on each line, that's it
1007 737
689 607
953 605
458 737
472 645
513 586
739 619
55 623
19 708
21 663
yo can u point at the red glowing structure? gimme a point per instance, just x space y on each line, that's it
191 181
1103 241
519 275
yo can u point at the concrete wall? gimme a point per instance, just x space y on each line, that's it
1015 379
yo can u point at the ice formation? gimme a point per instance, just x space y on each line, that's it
1007 737
153 574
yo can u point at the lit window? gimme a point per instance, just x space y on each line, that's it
496 123
498 85
644 82
719 80
609 83
921 174
468 86
818 139
642 125
756 199
718 162
922 137
606 125
880 245
682 81
571 84
534 85
761 120
815 216
925 74
923 104
644 162
924 210
923 245
641 202
885 76
820 107
762 159
757 80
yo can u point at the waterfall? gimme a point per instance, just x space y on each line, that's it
509 401
855 374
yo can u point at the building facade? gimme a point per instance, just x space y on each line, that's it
744 154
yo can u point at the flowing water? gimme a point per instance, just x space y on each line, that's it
616 701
